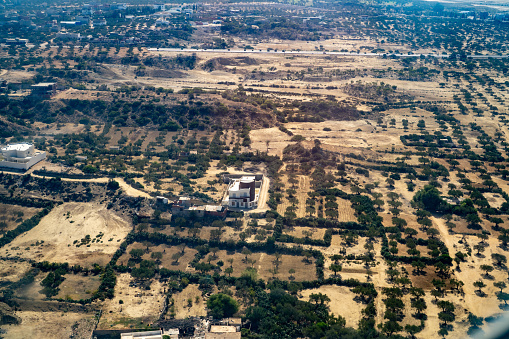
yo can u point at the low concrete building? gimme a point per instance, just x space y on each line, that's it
16 42
44 89
222 332
143 335
173 333
185 206
20 156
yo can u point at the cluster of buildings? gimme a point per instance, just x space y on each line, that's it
20 156
243 193
43 90
223 329
185 206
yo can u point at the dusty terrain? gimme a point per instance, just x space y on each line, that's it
66 224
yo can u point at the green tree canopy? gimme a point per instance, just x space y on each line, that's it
222 306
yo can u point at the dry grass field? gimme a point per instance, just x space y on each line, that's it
78 287
12 215
167 259
74 222
263 263
138 306
189 303
44 324
342 302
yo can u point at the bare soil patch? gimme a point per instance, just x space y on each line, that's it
139 307
76 286
50 325
189 303
342 303
66 224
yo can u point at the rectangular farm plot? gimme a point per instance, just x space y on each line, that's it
265 264
345 211
171 257
189 303
205 232
132 306
303 232
77 286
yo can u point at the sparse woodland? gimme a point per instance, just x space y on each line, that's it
387 199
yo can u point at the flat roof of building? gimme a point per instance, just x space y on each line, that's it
222 329
17 147
44 84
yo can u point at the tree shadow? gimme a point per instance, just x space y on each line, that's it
419 273
420 316
480 293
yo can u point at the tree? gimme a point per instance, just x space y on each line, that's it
479 248
419 305
432 232
229 271
222 306
500 284
157 256
410 232
502 296
391 327
446 317
487 269
473 220
412 330
504 238
136 253
176 257
429 199
145 271
446 306
399 222
475 320
425 223
418 266
479 284
319 298
497 222
500 259
246 252
113 185
483 236
335 268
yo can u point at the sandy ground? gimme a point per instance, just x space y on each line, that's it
50 325
341 304
76 286
59 230
181 303
139 305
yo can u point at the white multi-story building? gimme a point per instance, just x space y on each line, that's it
243 192
20 156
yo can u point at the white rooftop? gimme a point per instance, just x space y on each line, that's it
17 147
